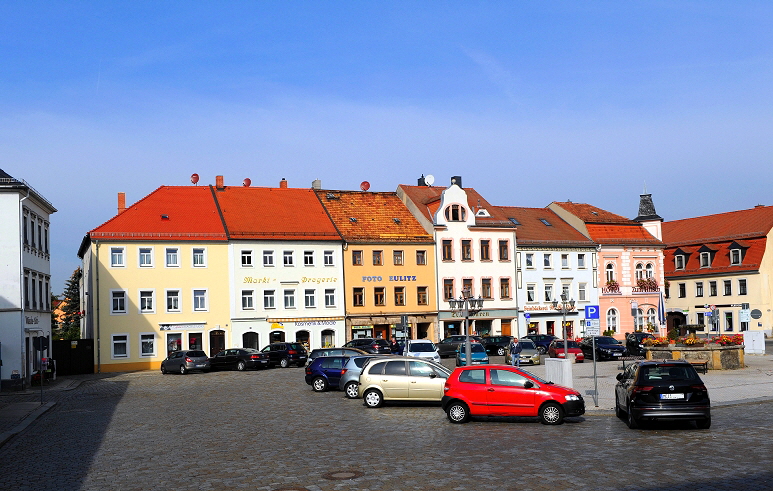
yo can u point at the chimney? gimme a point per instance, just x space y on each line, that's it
457 180
219 183
121 203
421 181
316 184
283 183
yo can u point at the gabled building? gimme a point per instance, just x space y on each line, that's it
25 280
552 258
389 266
474 246
630 262
719 269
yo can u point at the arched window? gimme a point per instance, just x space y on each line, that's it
610 272
639 272
456 213
639 320
250 340
612 319
650 270
651 316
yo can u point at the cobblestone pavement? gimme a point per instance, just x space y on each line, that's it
267 430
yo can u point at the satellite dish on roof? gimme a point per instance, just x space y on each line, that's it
194 178
429 179
247 181
364 185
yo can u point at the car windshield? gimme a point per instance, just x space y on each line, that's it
607 340
381 342
669 373
538 379
474 348
527 344
196 353
421 347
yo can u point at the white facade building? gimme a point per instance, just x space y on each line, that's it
25 279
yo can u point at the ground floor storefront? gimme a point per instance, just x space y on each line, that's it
410 326
489 322
316 332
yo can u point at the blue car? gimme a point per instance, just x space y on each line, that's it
325 372
478 352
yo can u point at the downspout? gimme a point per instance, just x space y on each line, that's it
22 291
96 316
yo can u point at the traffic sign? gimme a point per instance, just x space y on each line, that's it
591 311
526 315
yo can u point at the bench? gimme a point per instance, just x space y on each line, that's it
700 365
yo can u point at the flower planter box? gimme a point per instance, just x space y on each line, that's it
718 357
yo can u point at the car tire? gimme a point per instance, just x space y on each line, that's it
703 424
501 351
241 366
163 369
183 370
541 350
352 390
632 421
551 413
373 398
319 384
284 363
458 412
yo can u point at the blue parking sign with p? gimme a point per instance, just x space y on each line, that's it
592 312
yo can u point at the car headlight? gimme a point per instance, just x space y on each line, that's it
572 397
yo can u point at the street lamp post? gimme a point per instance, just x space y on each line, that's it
466 305
564 307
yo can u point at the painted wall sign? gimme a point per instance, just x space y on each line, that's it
265 279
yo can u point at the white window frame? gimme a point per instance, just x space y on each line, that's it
195 298
548 292
288 259
175 252
268 259
113 310
310 298
735 257
179 300
269 297
612 319
117 252
699 292
743 286
547 260
705 259
529 260
308 258
531 291
329 258
288 296
140 255
114 342
330 298
248 299
246 258
141 298
679 261
203 255
565 261
145 336
582 295
581 261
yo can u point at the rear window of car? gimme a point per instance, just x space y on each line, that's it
360 361
195 353
381 342
668 374
474 348
473 376
422 347
297 346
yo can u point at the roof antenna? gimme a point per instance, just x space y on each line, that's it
645 187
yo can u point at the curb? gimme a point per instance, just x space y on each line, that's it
4 437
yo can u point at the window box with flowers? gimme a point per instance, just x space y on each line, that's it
646 285
612 287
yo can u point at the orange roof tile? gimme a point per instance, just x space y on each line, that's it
633 234
754 222
274 214
380 217
168 213
427 200
592 214
530 229
751 259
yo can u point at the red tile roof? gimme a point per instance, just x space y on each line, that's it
608 228
274 214
755 222
427 199
378 217
168 213
750 260
592 214
530 229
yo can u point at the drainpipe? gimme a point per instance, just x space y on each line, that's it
22 291
96 301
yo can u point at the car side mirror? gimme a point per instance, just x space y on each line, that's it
619 376
528 384
433 375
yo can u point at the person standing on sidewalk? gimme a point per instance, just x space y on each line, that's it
515 353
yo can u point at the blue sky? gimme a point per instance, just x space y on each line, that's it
531 102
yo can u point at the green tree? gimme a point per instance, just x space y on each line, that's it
71 311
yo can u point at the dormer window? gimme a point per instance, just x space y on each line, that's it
705 259
456 213
735 257
679 261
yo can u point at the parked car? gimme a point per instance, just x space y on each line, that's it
185 361
665 389
634 342
334 352
285 354
529 354
421 348
496 345
477 352
501 390
350 379
542 341
447 347
239 359
370 345
607 347
325 372
398 378
556 350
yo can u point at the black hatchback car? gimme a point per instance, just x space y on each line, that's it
285 354
239 359
370 345
496 345
607 348
649 390
634 342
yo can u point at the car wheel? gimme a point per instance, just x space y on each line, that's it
241 366
458 412
284 363
541 350
352 390
551 414
703 424
163 369
183 370
632 421
319 384
373 398
501 351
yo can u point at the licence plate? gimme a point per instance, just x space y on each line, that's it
617 354
672 396
201 365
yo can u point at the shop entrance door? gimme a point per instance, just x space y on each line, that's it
216 342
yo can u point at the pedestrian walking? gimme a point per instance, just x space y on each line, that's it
515 352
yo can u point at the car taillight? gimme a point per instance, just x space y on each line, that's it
308 370
188 359
699 388
292 352
636 390
254 357
343 371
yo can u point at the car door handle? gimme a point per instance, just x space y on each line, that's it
490 389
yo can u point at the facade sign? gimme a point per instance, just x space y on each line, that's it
179 327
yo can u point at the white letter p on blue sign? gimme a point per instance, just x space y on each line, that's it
592 312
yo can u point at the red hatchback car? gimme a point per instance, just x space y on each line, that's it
502 390
556 350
